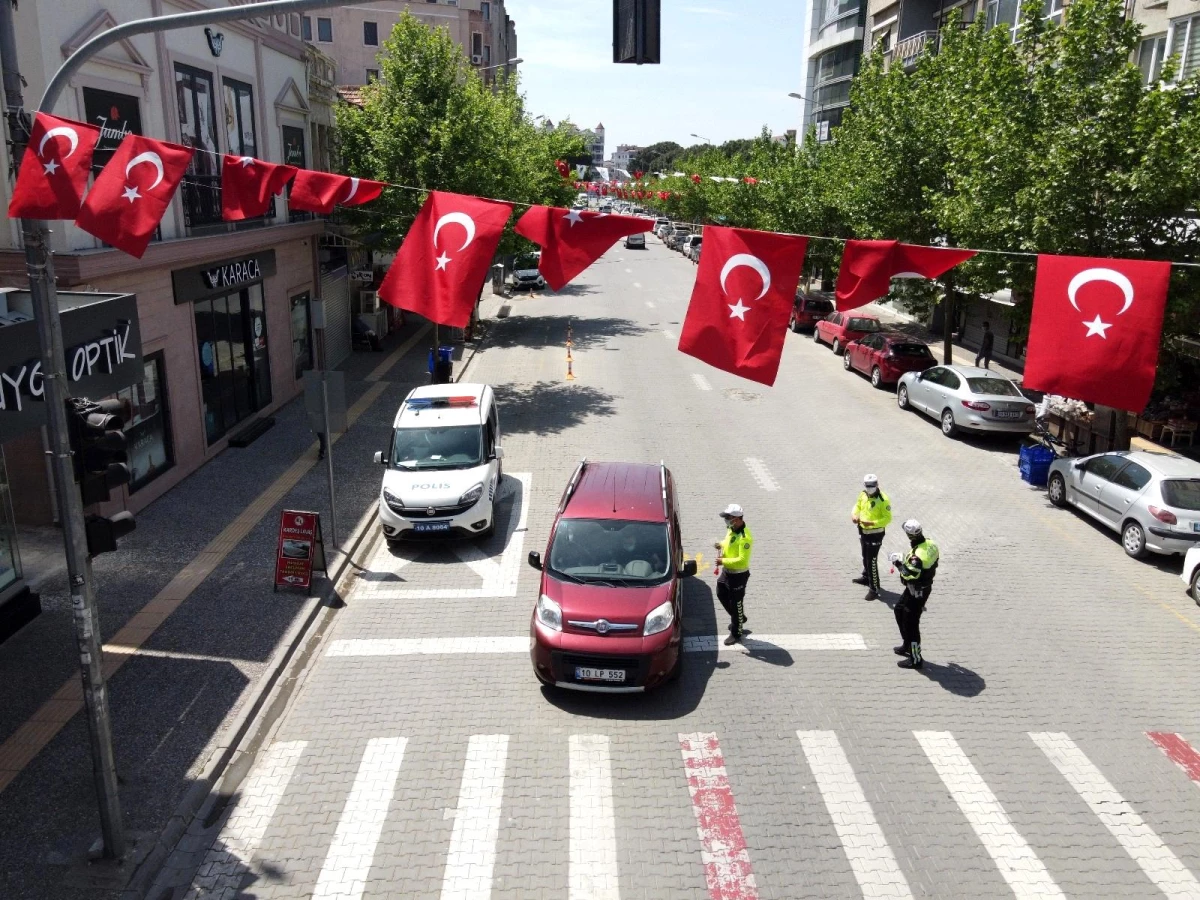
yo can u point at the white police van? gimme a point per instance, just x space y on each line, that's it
443 464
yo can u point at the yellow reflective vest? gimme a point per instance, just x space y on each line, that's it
920 564
874 513
735 550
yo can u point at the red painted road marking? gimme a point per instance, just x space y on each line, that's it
726 860
1179 751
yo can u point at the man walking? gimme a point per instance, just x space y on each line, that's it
733 556
917 568
872 513
985 346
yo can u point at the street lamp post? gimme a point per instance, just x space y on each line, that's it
701 137
515 61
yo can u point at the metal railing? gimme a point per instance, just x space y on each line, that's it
201 196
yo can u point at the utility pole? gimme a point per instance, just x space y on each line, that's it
318 318
44 295
948 314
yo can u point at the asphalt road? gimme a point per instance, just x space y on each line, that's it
1027 758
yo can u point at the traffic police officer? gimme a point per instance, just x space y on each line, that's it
734 559
872 513
917 568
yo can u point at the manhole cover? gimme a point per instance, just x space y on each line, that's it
739 394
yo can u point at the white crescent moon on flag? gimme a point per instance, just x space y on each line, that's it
148 157
458 218
750 262
353 189
1112 276
69 133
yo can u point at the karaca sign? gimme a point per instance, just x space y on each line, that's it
300 548
103 355
233 274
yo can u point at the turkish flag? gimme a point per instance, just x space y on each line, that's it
320 192
1096 327
571 240
133 191
54 170
440 268
868 268
745 286
248 184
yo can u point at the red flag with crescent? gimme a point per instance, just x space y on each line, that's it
1096 327
248 184
571 239
320 192
133 191
54 170
440 268
745 287
868 268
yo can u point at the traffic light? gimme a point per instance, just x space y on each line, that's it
100 460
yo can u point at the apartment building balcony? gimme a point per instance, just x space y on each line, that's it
908 50
201 196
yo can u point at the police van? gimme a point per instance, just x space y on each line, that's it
443 464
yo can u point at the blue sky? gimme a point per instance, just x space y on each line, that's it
727 68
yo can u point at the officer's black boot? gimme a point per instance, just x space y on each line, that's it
861 579
914 661
902 650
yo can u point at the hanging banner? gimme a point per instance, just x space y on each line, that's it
300 550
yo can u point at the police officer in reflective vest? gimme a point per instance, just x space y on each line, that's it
734 560
917 568
872 513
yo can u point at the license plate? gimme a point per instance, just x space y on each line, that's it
585 674
432 526
1005 414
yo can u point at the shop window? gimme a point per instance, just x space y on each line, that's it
148 424
302 351
239 118
235 373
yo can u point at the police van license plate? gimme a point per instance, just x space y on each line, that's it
432 526
583 673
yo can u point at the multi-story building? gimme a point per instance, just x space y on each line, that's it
596 139
353 35
223 309
833 48
624 155
1169 28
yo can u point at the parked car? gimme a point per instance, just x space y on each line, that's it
442 464
677 237
691 247
659 224
1151 499
886 356
609 613
635 240
964 398
1191 573
808 310
525 276
838 329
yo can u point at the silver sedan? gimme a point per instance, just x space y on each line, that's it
964 398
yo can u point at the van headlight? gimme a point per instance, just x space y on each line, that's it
392 500
549 613
472 495
660 619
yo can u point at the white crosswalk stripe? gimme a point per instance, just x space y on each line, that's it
344 875
472 853
1139 840
519 644
760 474
870 857
1014 858
593 872
701 382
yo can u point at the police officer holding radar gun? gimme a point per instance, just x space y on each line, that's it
917 568
872 513
734 561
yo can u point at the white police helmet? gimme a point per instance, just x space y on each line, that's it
912 527
870 481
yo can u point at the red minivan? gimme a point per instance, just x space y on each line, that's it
609 613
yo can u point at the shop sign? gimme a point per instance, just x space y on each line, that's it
362 276
222 277
103 355
116 115
300 548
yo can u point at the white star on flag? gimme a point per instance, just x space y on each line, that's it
246 161
50 167
573 216
738 311
131 194
1097 327
442 261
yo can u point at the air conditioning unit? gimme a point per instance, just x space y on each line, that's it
368 301
476 60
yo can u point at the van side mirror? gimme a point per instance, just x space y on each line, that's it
498 453
379 457
689 568
535 559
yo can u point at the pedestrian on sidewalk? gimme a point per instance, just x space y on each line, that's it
872 513
733 556
917 568
320 444
985 346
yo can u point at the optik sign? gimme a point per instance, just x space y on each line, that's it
103 354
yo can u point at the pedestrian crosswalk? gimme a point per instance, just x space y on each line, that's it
601 842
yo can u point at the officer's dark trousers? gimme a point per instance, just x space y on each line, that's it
731 591
870 554
908 617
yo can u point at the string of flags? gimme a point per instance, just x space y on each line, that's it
745 285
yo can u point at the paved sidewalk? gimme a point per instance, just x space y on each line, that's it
194 672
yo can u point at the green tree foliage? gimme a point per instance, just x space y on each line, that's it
429 121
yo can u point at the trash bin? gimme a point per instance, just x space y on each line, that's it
498 278
441 366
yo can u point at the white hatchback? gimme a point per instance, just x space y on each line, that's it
443 464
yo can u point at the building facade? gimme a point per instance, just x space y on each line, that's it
833 50
354 35
223 308
623 156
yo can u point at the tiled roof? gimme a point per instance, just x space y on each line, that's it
351 94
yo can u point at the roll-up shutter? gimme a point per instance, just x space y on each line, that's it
336 294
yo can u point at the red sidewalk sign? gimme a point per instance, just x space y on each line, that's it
300 550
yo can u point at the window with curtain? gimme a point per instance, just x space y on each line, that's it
239 118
